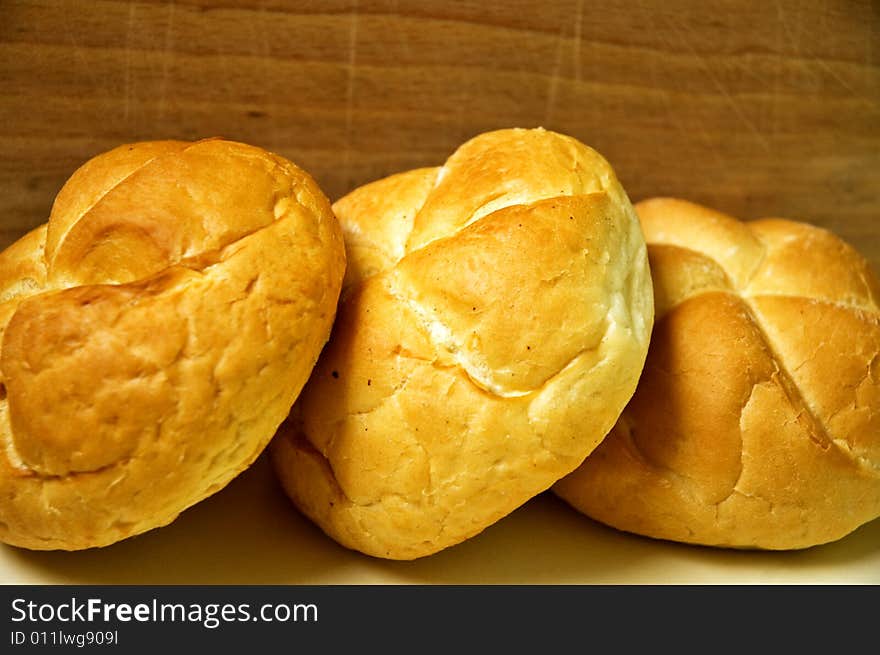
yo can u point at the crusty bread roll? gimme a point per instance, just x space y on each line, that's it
756 423
494 321
155 333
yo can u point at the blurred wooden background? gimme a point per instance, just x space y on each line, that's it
757 108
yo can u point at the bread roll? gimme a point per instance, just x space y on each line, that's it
756 423
494 322
155 333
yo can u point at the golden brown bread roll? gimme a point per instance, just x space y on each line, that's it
155 333
756 423
494 321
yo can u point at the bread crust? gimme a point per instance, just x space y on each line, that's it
154 335
494 322
756 422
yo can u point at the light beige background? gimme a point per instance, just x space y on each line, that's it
756 108
250 534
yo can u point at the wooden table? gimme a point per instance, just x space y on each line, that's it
757 108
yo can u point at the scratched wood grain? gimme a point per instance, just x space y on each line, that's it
757 108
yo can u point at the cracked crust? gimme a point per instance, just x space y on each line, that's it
494 323
756 422
155 333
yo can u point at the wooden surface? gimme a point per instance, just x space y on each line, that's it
757 108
